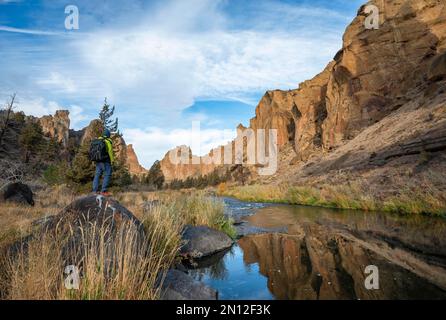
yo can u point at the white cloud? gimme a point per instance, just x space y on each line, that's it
76 116
184 51
57 81
169 71
37 107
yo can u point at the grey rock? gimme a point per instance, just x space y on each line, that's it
17 192
90 221
180 286
201 241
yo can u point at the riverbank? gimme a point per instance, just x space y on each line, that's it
412 199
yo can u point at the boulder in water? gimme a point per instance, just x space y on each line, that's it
201 241
180 286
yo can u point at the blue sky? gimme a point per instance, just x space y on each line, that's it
164 64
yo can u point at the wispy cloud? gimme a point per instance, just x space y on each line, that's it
29 31
57 81
9 1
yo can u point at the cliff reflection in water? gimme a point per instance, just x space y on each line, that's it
325 252
299 268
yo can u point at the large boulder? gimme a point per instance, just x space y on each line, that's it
17 192
94 209
97 224
202 241
180 286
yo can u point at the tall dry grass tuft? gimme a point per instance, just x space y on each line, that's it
113 264
195 208
117 264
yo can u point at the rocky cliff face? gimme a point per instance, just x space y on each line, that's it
190 165
57 126
376 70
377 74
132 161
275 111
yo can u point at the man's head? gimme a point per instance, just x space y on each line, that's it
106 133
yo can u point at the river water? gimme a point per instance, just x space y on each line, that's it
300 252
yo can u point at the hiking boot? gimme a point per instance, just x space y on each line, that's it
106 194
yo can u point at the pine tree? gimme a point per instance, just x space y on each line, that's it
82 169
31 140
106 114
155 177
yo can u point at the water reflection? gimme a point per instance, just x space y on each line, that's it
324 253
233 279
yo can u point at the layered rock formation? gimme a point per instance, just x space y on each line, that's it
275 111
180 164
57 126
132 161
397 71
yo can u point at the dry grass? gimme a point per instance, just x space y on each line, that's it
414 199
15 220
124 268
134 272
184 207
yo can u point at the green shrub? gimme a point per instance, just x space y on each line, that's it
55 174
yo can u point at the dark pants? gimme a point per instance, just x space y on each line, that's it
102 168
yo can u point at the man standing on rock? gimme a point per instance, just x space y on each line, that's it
101 152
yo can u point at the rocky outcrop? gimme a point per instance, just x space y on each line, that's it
202 241
57 126
132 162
120 150
274 111
92 131
310 111
179 163
94 210
376 69
17 192
95 223
180 286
